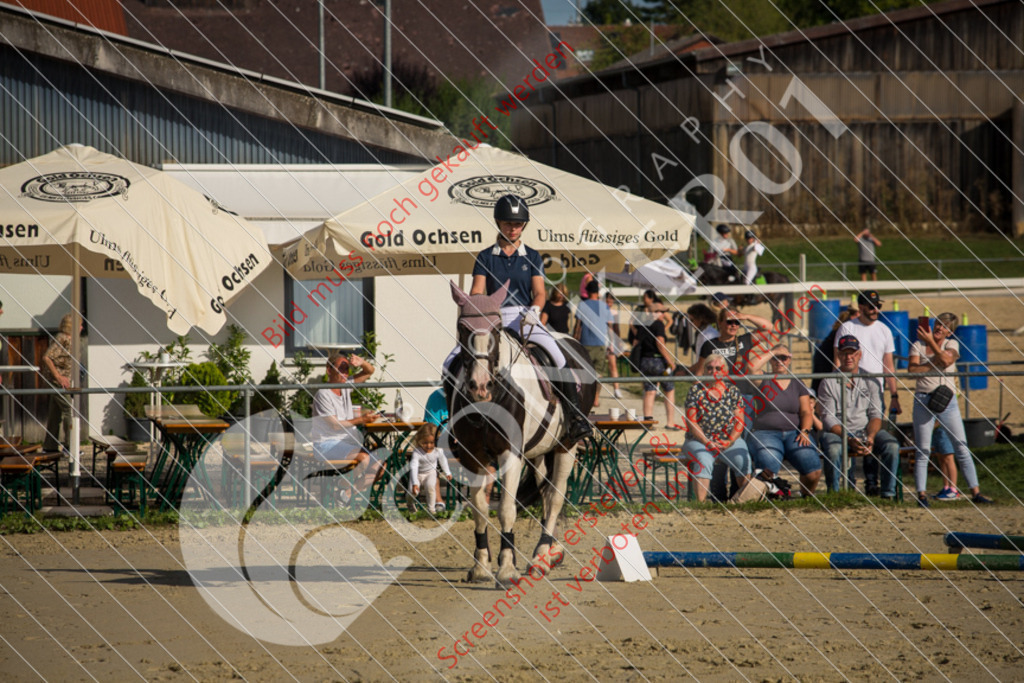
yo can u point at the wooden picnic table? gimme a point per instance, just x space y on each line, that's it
597 469
185 436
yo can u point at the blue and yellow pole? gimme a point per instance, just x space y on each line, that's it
837 561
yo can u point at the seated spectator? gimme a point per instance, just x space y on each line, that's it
436 412
714 424
862 423
703 320
936 350
334 434
782 427
423 464
733 346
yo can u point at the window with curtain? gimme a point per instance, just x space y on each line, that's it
337 314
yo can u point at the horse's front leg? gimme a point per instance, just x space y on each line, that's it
548 553
478 503
511 470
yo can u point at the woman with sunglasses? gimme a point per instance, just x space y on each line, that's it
782 427
715 420
733 346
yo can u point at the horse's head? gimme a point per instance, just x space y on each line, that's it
478 331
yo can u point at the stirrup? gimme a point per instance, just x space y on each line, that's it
578 429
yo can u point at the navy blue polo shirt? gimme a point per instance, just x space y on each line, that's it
519 269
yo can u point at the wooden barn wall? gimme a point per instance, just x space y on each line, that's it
928 136
988 38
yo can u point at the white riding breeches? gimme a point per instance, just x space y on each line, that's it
511 318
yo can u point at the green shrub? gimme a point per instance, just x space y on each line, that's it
135 404
266 399
212 403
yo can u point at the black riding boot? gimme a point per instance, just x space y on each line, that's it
579 426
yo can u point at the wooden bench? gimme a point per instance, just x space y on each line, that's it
263 463
103 444
126 476
667 458
326 471
20 478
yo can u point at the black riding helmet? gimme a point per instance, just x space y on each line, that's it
723 229
512 208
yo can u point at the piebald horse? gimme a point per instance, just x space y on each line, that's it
501 410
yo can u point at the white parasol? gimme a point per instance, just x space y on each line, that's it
437 222
77 211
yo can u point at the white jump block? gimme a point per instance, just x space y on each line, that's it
627 563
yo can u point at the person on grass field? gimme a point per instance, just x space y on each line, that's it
510 260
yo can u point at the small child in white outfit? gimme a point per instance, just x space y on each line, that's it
423 471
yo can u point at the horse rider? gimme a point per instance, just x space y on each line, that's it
723 248
521 266
753 249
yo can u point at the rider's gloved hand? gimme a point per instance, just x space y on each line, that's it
532 316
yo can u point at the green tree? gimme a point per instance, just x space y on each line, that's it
806 13
417 90
620 42
604 12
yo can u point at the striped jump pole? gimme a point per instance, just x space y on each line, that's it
958 540
836 561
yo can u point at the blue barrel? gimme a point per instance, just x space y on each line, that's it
822 316
973 354
897 322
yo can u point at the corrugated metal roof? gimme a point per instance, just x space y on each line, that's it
188 59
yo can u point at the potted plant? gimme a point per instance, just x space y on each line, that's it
135 410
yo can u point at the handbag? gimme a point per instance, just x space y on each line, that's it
939 399
755 489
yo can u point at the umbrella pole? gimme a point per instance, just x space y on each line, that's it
75 437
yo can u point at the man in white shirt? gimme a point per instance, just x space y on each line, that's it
877 347
335 436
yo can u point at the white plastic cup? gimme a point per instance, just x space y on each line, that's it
632 413
614 413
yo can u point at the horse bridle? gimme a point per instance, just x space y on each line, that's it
477 355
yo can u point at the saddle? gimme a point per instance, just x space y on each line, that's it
542 363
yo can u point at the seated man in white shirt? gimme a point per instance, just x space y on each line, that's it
335 436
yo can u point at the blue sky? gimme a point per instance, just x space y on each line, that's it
558 12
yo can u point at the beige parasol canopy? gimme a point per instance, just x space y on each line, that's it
438 221
78 211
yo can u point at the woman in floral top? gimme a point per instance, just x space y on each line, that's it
714 423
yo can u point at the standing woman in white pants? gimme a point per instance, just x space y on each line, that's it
936 350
